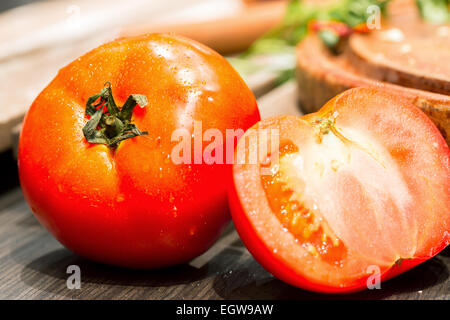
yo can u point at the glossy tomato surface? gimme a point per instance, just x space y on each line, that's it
359 192
133 206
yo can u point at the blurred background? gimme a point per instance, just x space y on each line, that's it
258 37
37 38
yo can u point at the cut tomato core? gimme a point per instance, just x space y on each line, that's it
304 223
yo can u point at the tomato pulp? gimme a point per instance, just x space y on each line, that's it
356 190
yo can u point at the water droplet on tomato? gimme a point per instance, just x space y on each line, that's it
175 213
192 230
120 197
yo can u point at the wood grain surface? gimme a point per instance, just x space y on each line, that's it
33 264
45 38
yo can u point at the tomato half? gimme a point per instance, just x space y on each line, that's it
129 203
360 189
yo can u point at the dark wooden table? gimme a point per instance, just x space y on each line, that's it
33 264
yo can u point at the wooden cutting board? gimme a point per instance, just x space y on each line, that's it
40 38
412 55
33 264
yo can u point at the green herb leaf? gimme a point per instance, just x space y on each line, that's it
434 11
294 27
329 38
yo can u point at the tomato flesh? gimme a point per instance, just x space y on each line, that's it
299 220
362 185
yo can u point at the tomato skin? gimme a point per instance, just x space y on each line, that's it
133 207
273 264
272 245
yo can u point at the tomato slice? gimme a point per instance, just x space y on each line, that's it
357 190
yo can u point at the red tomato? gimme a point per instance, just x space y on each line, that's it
360 191
129 204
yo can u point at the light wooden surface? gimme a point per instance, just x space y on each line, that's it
33 264
40 38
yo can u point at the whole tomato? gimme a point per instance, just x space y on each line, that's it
101 177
